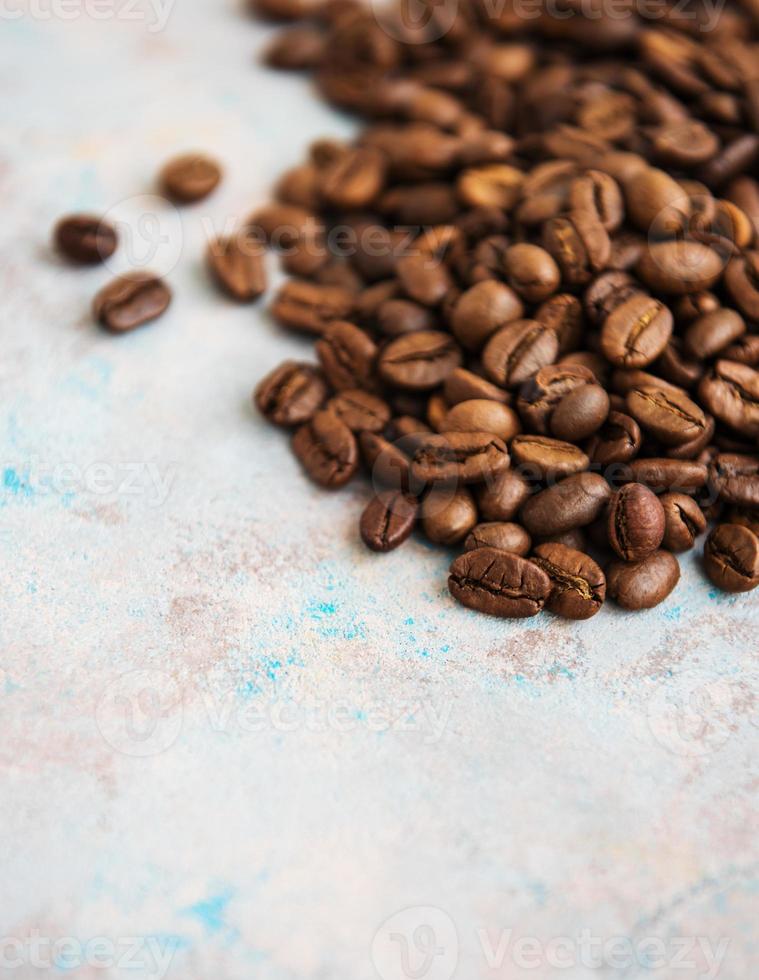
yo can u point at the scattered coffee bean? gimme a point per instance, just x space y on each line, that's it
388 520
684 521
238 267
309 307
499 583
635 522
190 178
578 586
574 502
643 584
360 410
327 449
419 361
85 238
291 394
499 534
347 356
131 301
448 515
731 558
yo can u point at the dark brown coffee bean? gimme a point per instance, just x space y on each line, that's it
388 520
563 314
347 356
310 308
636 332
131 301
580 245
742 283
290 394
448 515
501 498
462 385
731 558
547 459
635 522
606 292
681 475
482 415
618 441
574 502
237 267
712 333
679 267
735 479
399 316
388 462
575 539
731 393
578 586
327 450
482 310
85 238
531 272
683 521
674 367
190 178
643 584
459 457
501 535
746 517
360 410
744 351
517 351
499 583
670 417
419 361
694 447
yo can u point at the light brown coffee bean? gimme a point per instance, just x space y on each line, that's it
481 415
190 177
531 272
310 308
636 332
547 459
448 515
237 266
574 502
290 394
501 498
458 457
712 333
670 417
462 385
678 267
482 310
360 410
347 356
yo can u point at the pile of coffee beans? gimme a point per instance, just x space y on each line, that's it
533 285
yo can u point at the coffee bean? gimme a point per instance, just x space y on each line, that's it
360 410
499 534
237 267
85 238
354 179
694 447
501 498
599 194
580 245
399 316
565 401
190 178
406 425
682 475
731 558
668 416
296 49
419 361
747 517
735 479
388 520
573 502
499 583
327 450
606 292
679 267
547 459
482 310
575 539
635 522
742 283
459 457
531 272
518 351
290 394
448 515
674 367
309 308
482 415
731 393
712 333
462 385
347 356
493 186
424 278
745 350
563 314
636 332
387 462
131 301
655 200
643 584
683 521
617 441
684 143
578 586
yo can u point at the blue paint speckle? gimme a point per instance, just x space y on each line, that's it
211 912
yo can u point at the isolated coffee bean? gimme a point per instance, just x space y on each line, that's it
499 534
531 272
670 417
636 332
578 586
290 394
684 521
327 450
617 441
547 459
448 515
499 583
131 301
635 522
419 361
642 584
458 457
574 502
347 356
518 351
462 385
85 238
481 310
735 479
388 520
360 410
237 267
731 558
482 415
730 392
308 307
190 178
678 267
710 334
501 498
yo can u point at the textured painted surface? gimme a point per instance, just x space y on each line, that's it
231 737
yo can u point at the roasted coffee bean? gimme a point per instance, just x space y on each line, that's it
731 558
576 413
131 301
670 417
694 447
419 361
573 502
731 393
682 475
499 583
424 278
578 586
636 332
448 515
437 409
547 459
712 333
679 267
742 283
482 310
501 535
655 201
85 238
683 521
459 457
388 520
563 314
327 450
580 245
347 356
518 351
354 179
462 385
531 272
635 522
617 441
291 394
746 517
399 316
190 178
309 308
643 584
237 267
387 462
501 498
482 415
735 479
360 410
598 193
492 186
745 350
606 292
674 367
406 425
296 49
575 539
541 395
